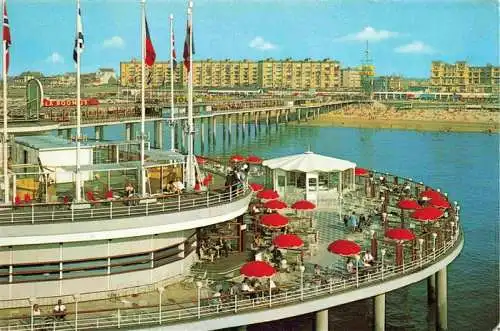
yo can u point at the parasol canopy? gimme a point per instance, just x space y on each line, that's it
275 204
288 241
431 194
400 234
257 269
303 205
274 220
427 214
201 160
256 187
360 172
440 203
344 247
252 159
268 194
409 204
237 158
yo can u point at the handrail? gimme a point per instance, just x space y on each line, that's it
60 212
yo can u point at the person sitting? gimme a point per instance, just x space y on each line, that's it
129 190
59 310
368 259
317 270
178 186
36 310
350 267
277 255
247 289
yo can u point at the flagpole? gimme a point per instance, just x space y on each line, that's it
143 105
78 108
172 127
190 156
5 136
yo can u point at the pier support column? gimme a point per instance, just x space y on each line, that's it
243 126
249 126
214 130
431 288
238 119
99 132
229 128
379 313
442 299
158 128
298 113
224 128
321 320
176 136
129 131
267 121
255 125
202 135
258 121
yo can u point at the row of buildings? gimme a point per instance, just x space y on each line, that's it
103 76
269 73
462 77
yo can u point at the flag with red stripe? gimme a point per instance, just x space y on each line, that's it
150 51
187 44
6 34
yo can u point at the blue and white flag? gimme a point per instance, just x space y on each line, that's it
79 35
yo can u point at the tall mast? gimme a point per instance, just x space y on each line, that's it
78 108
5 136
143 105
190 157
172 127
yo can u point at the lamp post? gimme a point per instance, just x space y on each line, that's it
383 251
199 284
161 289
434 236
452 226
357 257
302 269
421 246
76 296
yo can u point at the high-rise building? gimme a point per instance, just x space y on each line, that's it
351 78
156 76
462 77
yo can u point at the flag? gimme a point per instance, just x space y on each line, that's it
174 55
79 36
6 35
150 51
186 45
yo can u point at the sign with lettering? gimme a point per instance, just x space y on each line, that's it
69 102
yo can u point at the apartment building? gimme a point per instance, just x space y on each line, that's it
351 78
461 77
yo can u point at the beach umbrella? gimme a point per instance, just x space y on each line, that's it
288 241
303 205
408 204
268 194
440 203
273 220
237 158
360 172
252 159
275 204
257 269
201 160
344 247
256 187
431 194
427 214
400 234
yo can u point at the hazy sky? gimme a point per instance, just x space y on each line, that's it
404 36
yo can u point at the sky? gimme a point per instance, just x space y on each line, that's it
404 36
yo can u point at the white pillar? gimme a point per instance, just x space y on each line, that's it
322 320
379 313
442 299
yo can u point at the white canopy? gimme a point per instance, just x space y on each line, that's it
309 162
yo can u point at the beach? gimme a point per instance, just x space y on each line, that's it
380 116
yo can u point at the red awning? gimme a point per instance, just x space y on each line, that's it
344 247
427 214
360 172
257 269
400 234
268 195
201 160
275 204
409 204
303 205
256 187
274 220
288 241
440 203
237 158
252 159
431 194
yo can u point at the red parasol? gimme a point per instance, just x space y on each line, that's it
237 158
256 187
409 204
252 159
360 172
431 194
268 195
274 220
275 204
303 205
440 203
427 214
257 269
201 160
400 234
344 247
288 241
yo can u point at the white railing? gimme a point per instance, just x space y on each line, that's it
162 314
109 209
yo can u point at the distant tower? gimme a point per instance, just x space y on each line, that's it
367 72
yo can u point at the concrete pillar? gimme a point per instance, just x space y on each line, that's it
431 288
176 134
209 130
229 128
214 130
202 135
379 312
321 320
256 124
99 132
442 300
243 126
258 121
129 131
249 127
287 113
298 113
267 120
183 136
277 118
224 127
238 119
158 128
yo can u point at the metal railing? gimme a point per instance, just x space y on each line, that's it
206 308
110 209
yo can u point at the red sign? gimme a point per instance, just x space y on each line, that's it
69 102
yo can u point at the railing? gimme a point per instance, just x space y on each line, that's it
206 308
109 209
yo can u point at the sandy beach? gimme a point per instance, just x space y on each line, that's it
382 117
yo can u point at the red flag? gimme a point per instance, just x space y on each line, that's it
174 55
6 35
150 51
186 46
